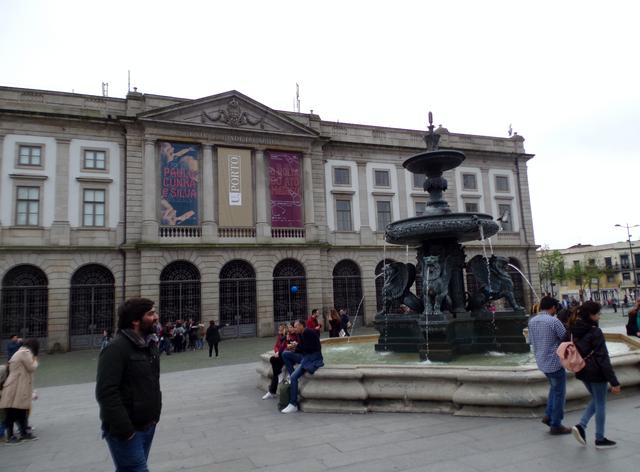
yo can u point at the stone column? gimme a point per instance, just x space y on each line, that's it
263 198
209 196
1 189
150 194
60 230
366 234
309 208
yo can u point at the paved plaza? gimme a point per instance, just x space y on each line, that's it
214 420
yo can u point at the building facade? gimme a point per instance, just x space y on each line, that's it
218 208
604 272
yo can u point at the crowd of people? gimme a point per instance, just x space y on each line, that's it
181 336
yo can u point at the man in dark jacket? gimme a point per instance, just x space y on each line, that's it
128 386
213 337
308 354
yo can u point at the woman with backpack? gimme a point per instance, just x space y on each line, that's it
597 372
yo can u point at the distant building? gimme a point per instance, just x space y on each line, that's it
218 208
609 271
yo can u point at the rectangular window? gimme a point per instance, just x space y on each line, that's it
637 259
420 208
95 160
27 206
504 213
607 262
624 261
343 215
30 156
592 262
383 208
502 183
471 207
381 178
93 207
469 182
626 276
418 180
610 278
341 176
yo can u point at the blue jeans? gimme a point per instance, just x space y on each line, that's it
555 400
131 455
290 359
598 391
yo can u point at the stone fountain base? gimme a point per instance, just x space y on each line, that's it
448 338
459 390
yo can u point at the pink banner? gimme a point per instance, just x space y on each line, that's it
286 189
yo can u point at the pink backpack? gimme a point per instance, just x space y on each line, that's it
569 356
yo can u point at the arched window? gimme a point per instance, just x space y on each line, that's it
347 290
238 304
25 302
180 292
91 305
380 283
289 292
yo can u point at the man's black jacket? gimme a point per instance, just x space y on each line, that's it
128 385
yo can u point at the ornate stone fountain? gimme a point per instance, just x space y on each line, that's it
445 320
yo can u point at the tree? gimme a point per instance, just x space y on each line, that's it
551 266
584 273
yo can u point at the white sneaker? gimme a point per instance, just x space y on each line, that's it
268 395
290 408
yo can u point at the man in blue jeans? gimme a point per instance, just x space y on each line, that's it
546 332
308 354
128 386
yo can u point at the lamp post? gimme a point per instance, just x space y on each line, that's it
633 262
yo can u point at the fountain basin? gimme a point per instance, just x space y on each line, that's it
461 226
499 391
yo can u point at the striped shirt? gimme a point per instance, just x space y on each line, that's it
546 332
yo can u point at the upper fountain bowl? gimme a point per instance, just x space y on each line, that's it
462 226
433 162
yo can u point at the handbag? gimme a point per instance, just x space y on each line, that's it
570 357
342 333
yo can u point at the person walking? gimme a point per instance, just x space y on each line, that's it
213 337
128 386
17 392
596 374
546 332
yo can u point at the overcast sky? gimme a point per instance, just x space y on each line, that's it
565 74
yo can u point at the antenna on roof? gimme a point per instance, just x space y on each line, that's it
510 130
105 89
297 98
129 81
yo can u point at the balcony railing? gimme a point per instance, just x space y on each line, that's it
180 231
236 232
287 233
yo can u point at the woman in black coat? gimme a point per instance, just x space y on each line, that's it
213 337
597 373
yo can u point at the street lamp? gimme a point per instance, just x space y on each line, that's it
633 262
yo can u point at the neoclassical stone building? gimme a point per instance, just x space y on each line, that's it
218 208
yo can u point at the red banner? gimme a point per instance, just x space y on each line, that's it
286 189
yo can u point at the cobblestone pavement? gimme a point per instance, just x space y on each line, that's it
214 420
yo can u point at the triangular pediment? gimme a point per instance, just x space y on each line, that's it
228 110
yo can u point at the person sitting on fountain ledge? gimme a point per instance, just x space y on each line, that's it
308 354
546 332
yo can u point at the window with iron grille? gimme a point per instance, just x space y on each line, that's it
30 156
289 292
469 182
418 180
93 207
238 301
383 211
504 210
381 178
180 292
347 290
471 207
27 206
95 160
343 215
24 305
502 183
341 176
92 301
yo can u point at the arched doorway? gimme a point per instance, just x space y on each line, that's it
289 292
180 292
518 282
25 303
380 283
238 304
347 290
91 306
